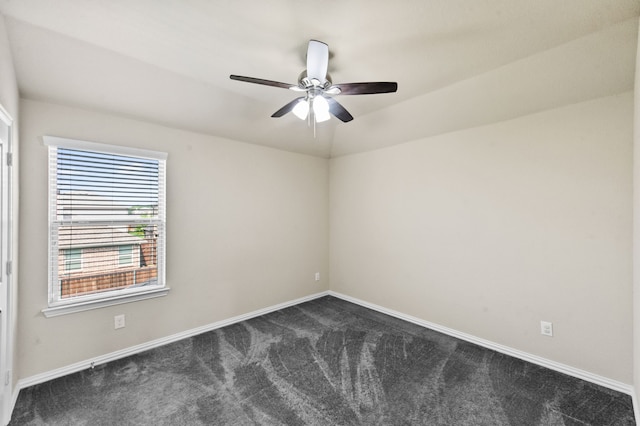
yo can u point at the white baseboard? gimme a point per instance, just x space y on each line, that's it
14 399
562 368
83 365
636 406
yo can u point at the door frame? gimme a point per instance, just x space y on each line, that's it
7 301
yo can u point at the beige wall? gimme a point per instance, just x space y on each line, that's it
8 86
9 99
247 229
490 230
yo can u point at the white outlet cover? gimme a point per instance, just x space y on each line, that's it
118 321
546 328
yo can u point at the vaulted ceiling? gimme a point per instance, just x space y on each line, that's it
458 63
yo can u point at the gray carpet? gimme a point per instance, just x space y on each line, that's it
324 362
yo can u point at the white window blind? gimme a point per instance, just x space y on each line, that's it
107 221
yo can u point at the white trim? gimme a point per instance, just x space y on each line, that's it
5 116
636 406
83 365
6 245
55 311
14 399
101 147
547 363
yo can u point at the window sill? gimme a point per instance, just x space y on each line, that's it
55 311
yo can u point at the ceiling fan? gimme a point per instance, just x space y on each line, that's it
318 88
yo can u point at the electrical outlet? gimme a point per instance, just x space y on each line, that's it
317 276
118 321
546 328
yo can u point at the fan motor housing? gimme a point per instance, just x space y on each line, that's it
305 83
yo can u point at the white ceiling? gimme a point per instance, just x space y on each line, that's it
458 63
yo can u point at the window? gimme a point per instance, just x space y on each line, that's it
125 255
73 259
106 225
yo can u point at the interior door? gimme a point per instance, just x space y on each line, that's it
6 318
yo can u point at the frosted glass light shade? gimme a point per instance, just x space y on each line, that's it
320 109
301 110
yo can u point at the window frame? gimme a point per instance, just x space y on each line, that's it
58 306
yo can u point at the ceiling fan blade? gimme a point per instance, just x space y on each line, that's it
263 82
338 110
287 108
366 88
317 60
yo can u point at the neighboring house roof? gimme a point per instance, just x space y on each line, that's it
83 205
96 236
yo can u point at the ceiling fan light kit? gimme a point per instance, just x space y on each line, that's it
318 104
320 109
301 110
